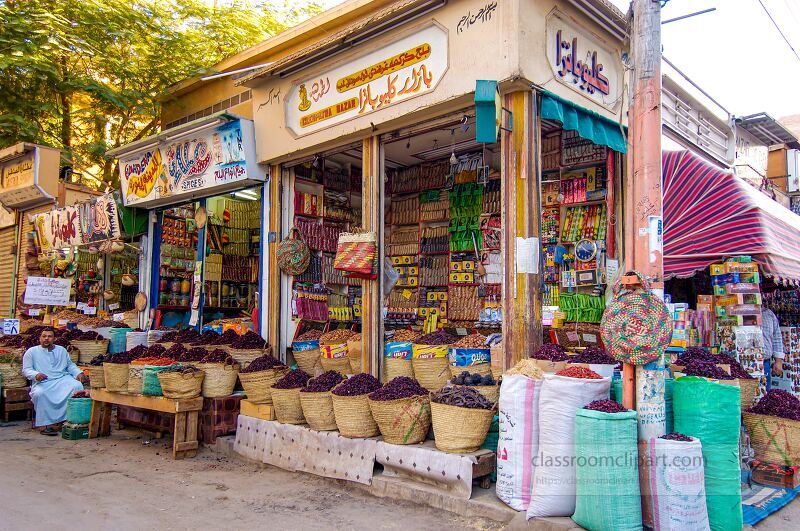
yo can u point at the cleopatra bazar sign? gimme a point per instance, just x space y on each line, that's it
397 72
210 158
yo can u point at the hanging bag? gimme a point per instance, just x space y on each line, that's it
293 254
356 254
636 324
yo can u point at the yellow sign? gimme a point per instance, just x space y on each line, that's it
390 65
329 112
18 173
141 182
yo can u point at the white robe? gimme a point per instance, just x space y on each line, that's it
50 396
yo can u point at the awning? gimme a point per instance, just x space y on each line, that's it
710 215
588 124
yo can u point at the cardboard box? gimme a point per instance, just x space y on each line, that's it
717 269
742 288
782 477
741 267
259 411
705 299
739 298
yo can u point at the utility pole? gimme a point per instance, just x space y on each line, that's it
643 386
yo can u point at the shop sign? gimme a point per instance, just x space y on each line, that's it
397 72
579 61
187 165
91 221
19 172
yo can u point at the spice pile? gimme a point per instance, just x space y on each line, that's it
465 378
206 338
405 335
169 337
606 406
309 335
249 341
579 372
527 368
360 384
219 356
293 380
157 362
440 337
175 352
156 349
550 352
264 363
335 337
777 403
675 436
594 356
701 354
97 361
471 341
399 387
194 354
706 369
81 394
461 397
322 383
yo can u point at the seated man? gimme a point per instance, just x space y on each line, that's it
54 378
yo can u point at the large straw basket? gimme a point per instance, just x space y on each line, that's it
257 384
74 354
402 421
318 410
459 430
220 379
97 377
748 389
287 406
353 416
181 384
307 360
245 357
12 375
355 353
116 376
394 367
491 392
431 373
135 378
774 439
340 365
89 349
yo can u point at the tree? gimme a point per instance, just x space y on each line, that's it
86 76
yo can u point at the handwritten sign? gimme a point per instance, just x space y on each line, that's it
47 291
33 312
582 62
118 317
90 310
397 72
114 306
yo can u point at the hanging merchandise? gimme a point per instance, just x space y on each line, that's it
357 254
636 326
293 255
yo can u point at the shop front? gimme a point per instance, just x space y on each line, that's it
387 138
202 192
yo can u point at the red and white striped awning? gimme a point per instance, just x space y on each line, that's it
710 215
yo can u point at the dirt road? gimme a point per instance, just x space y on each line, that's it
129 482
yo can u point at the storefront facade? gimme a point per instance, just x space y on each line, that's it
394 103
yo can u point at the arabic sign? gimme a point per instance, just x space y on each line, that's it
90 221
399 71
581 62
47 291
209 158
18 173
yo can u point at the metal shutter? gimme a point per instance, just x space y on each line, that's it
26 242
7 240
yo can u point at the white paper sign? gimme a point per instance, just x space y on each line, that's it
90 310
113 307
118 317
11 326
47 291
80 306
527 255
33 312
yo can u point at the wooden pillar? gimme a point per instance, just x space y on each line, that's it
522 319
371 220
273 287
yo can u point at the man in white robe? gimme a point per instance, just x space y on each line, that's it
54 377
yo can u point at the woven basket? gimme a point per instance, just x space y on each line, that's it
74 355
318 410
181 385
491 392
97 377
220 379
89 349
153 336
287 406
459 430
431 373
116 376
340 365
245 357
12 376
394 367
308 360
748 389
774 439
135 378
257 384
353 416
402 421
355 352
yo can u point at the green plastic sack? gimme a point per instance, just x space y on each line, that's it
711 412
79 410
607 471
150 384
490 443
616 394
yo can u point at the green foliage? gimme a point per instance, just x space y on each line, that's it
87 75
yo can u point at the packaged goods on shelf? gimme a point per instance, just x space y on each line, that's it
434 206
434 240
405 211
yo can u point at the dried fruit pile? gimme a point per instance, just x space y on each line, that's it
675 436
156 350
175 352
263 363
471 341
81 394
465 378
309 335
461 397
701 354
399 387
550 352
293 380
324 382
206 338
579 372
122 357
594 356
405 335
97 361
335 337
226 338
706 369
606 406
778 403
440 337
219 356
360 384
249 341
169 337
194 354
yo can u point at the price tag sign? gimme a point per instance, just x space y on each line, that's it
33 312
90 310
113 307
81 306
461 331
118 317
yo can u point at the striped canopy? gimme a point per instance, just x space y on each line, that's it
710 215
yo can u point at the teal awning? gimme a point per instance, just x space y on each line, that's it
588 124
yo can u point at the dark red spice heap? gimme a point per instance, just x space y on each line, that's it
169 337
706 370
701 354
13 341
206 338
30 342
175 352
461 396
122 357
778 403
219 356
156 350
81 394
226 338
187 335
399 387
62 342
440 337
360 384
579 372
264 363
675 436
249 341
550 352
606 406
594 356
139 351
194 354
72 334
324 382
293 380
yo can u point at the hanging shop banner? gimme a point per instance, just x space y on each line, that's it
402 70
189 165
47 291
27 174
581 61
91 221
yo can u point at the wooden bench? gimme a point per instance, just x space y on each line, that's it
186 410
17 399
